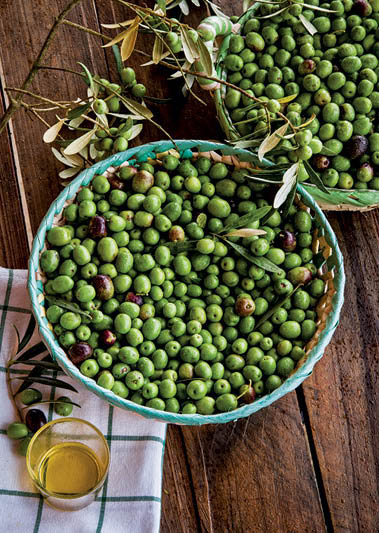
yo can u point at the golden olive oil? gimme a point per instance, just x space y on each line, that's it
69 468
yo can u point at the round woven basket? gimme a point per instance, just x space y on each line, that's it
338 199
324 245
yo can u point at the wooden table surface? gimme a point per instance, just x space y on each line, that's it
307 463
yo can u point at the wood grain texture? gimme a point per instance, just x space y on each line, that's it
13 243
342 394
255 474
260 474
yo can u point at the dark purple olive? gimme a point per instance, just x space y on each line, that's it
103 286
299 275
249 394
79 352
134 298
308 66
107 338
142 181
286 240
176 234
320 162
361 8
35 419
245 307
97 227
356 146
116 183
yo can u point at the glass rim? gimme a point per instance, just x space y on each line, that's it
59 495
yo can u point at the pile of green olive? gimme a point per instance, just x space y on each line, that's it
334 74
149 295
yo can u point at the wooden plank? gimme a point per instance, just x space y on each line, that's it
255 474
13 243
177 493
18 21
342 394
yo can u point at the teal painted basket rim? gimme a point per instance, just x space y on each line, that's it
142 153
343 199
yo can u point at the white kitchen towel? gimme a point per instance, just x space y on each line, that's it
130 501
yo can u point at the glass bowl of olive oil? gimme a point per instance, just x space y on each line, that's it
68 462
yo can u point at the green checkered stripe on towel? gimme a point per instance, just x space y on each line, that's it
131 497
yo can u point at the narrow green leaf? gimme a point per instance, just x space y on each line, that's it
76 112
35 372
66 305
249 218
117 57
315 178
278 304
89 79
155 100
261 262
54 402
28 334
35 350
205 58
181 246
48 381
266 217
36 362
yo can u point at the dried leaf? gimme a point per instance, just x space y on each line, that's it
129 40
287 99
118 25
271 141
79 143
289 180
307 25
51 134
306 123
118 38
163 56
245 232
137 108
184 7
76 122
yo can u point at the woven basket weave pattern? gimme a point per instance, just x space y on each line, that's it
328 309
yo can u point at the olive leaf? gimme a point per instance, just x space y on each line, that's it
314 177
249 218
129 40
78 144
287 99
289 180
117 57
77 112
36 362
27 335
307 25
274 308
190 49
180 246
53 402
261 262
271 141
46 381
289 201
137 108
66 305
88 76
118 25
35 350
158 50
124 34
205 57
306 123
245 232
35 372
51 134
162 5
69 172
317 8
274 13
